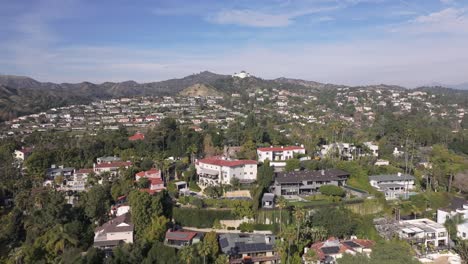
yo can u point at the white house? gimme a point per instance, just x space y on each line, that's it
374 149
111 167
392 185
423 231
279 155
241 75
218 170
22 153
115 231
458 207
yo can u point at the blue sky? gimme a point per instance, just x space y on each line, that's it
355 42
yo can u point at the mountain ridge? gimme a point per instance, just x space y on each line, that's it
21 95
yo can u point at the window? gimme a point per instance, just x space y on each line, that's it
441 234
464 235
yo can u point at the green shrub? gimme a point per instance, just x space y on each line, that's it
332 190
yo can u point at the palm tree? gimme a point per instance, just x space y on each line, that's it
59 239
187 254
204 250
289 234
282 203
222 259
299 215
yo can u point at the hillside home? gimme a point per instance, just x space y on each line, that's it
218 170
279 155
152 173
332 249
107 159
23 153
114 232
307 182
457 208
249 248
179 238
137 136
423 231
268 200
111 167
393 185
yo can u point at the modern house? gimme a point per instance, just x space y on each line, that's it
346 151
417 232
54 171
249 248
458 208
393 185
179 239
423 231
279 155
114 232
332 249
217 170
268 200
307 182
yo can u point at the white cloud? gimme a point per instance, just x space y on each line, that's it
448 21
253 18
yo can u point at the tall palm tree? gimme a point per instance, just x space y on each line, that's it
187 254
282 203
204 250
299 215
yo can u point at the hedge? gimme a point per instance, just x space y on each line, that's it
200 218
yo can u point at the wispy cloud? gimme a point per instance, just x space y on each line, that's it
253 18
447 21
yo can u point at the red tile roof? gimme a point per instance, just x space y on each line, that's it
155 181
137 136
180 235
317 247
148 173
116 164
84 171
287 148
218 161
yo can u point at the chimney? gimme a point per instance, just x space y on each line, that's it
267 239
399 174
322 172
282 147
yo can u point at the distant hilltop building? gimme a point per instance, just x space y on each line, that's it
241 74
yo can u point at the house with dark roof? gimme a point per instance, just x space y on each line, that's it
307 182
393 185
180 238
249 248
332 249
114 232
268 200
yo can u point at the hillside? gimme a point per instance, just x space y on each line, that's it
23 95
200 90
